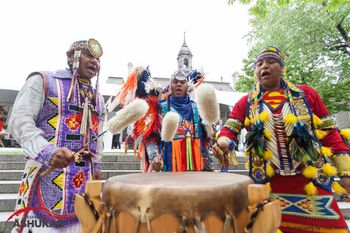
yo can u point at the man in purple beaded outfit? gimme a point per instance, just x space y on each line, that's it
55 115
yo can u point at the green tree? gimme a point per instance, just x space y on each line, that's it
317 48
262 7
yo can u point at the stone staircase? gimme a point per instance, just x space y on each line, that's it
114 163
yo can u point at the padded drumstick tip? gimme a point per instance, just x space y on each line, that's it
207 102
127 116
170 124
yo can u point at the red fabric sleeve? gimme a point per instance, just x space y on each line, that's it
333 139
238 112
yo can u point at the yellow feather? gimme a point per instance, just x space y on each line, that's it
290 119
267 134
279 231
310 189
267 155
269 170
326 151
246 122
247 165
329 170
345 133
310 172
251 121
246 153
264 116
338 188
316 120
320 134
268 186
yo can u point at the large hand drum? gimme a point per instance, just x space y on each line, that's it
178 202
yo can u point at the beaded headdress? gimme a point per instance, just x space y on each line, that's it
94 48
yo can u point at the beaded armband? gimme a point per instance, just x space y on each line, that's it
233 125
327 123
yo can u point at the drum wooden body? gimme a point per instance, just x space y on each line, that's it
175 202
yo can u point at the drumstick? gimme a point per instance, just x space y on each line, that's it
127 116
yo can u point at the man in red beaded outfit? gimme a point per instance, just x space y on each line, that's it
291 140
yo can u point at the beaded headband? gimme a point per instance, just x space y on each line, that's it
270 52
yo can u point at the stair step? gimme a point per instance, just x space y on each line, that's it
120 165
17 174
8 201
9 186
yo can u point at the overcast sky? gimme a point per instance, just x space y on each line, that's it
35 34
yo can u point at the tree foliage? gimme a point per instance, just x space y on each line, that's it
316 42
262 7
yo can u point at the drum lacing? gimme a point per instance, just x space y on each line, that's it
108 221
255 213
111 218
138 221
199 226
228 220
114 221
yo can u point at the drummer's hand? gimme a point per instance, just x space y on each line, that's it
217 152
86 153
61 158
157 163
97 176
221 147
223 143
345 181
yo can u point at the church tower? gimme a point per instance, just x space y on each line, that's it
184 58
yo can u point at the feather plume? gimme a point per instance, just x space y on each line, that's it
150 123
153 88
310 189
264 116
290 119
326 151
170 124
128 115
246 122
268 186
302 144
208 106
269 170
320 134
135 86
310 172
267 134
338 188
267 155
329 170
345 133
316 120
142 78
256 139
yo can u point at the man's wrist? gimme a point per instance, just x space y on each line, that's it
46 154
